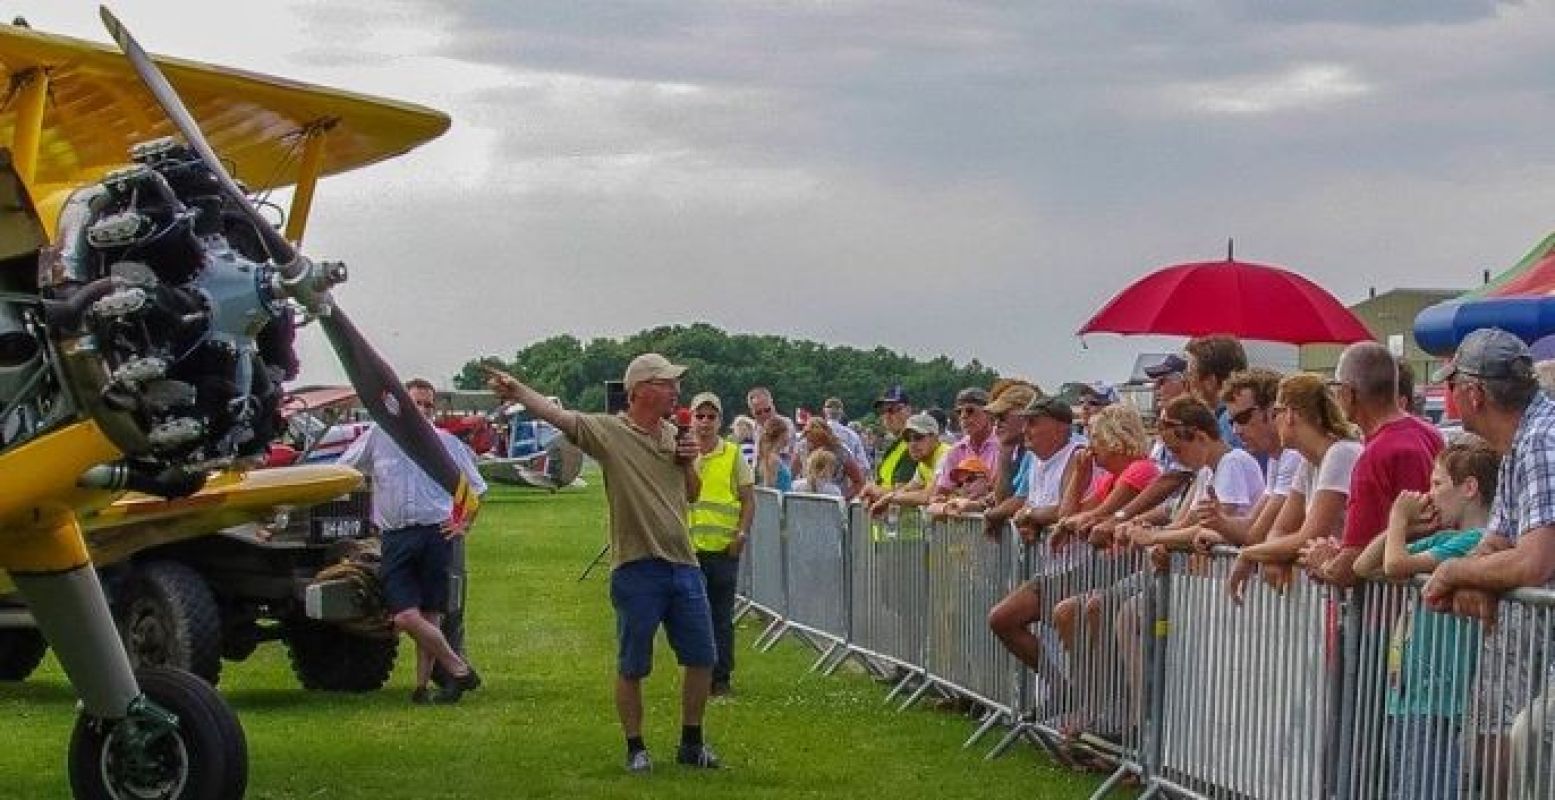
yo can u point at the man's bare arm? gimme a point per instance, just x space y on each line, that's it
511 389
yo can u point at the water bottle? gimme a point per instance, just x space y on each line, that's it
893 518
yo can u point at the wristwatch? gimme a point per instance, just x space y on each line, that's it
1120 515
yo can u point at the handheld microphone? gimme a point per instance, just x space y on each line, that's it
682 420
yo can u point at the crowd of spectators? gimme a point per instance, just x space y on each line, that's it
1336 479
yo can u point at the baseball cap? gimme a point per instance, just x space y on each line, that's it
1049 407
895 394
706 398
923 423
972 396
1098 393
1171 365
832 402
650 367
1011 397
1489 353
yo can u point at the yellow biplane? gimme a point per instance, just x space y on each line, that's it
147 309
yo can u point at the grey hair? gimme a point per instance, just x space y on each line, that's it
1371 371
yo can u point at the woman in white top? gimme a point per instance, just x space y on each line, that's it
1224 475
1310 420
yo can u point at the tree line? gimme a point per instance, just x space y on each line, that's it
801 373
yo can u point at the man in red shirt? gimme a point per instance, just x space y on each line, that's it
1400 450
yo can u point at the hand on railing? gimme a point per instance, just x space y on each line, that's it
1205 540
1316 553
1240 572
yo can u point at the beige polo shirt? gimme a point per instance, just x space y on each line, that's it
645 485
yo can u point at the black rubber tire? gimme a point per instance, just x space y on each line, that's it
168 618
327 658
207 757
21 650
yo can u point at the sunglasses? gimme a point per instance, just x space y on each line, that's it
968 410
705 416
913 436
1181 430
894 408
1245 415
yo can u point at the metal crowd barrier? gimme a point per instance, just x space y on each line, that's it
1306 692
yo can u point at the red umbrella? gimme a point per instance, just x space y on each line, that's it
1251 301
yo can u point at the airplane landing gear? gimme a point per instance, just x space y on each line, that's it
179 741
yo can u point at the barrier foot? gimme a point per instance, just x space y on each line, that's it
777 635
809 639
993 718
917 695
744 609
900 685
761 637
832 668
1015 734
825 657
1112 783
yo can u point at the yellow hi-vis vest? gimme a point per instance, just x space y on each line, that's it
715 516
886 472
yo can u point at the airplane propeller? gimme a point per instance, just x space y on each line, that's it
379 389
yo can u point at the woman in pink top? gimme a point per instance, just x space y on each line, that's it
1115 468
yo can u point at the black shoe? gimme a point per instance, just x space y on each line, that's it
722 690
639 762
456 687
697 755
420 696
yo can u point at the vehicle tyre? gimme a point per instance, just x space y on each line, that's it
21 650
168 618
329 658
204 756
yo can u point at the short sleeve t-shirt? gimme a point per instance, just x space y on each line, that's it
1238 482
645 486
1136 476
1398 457
1332 475
1283 471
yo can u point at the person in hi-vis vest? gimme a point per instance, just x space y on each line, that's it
720 520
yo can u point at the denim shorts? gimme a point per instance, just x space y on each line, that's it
651 591
414 572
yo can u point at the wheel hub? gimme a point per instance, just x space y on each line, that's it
144 757
148 636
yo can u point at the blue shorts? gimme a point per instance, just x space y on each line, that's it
415 569
651 591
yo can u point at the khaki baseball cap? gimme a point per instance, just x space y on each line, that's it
650 367
1011 397
706 399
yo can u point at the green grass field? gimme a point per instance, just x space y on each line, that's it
544 724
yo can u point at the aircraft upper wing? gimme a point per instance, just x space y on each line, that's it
97 108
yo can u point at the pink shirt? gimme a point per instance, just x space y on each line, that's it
989 453
1136 476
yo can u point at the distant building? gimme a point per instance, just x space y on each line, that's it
1390 317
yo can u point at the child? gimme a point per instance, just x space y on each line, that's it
820 469
1432 656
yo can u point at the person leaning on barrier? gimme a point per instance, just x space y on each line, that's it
651 480
846 472
1227 482
1013 470
1049 430
1398 454
720 521
977 439
927 451
1429 677
894 466
1309 421
1492 382
1119 449
1154 504
1249 395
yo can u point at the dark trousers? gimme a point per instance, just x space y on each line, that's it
722 573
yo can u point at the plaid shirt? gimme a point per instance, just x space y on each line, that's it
1525 493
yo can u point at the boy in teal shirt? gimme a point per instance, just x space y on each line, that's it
1432 656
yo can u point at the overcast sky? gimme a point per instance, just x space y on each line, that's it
973 179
